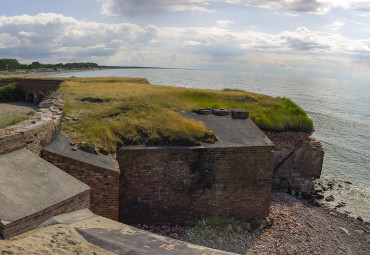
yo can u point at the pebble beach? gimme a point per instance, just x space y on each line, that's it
299 228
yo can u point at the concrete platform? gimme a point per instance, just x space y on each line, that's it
124 239
29 185
232 132
61 145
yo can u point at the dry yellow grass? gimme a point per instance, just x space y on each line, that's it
118 111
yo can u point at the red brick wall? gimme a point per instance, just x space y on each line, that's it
185 185
32 221
104 183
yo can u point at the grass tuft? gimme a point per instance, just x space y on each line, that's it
218 224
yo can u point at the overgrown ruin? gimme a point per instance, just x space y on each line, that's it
232 177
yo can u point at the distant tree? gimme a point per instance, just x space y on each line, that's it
36 65
9 64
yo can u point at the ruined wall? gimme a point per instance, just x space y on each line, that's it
34 90
33 133
32 221
298 160
184 185
104 183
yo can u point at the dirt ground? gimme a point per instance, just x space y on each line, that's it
17 108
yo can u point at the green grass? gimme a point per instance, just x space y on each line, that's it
9 119
8 92
217 224
114 111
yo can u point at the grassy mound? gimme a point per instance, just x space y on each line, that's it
118 111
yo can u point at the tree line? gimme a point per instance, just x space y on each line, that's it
9 64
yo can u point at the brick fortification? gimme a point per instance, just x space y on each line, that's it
104 183
34 90
184 185
160 185
32 221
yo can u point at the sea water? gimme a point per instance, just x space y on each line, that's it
340 110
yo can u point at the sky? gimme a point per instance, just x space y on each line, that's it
325 38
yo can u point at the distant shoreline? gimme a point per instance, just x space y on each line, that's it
43 71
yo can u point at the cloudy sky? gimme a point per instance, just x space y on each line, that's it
306 37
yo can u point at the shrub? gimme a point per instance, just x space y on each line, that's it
8 92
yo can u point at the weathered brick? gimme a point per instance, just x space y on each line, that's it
185 185
29 222
104 183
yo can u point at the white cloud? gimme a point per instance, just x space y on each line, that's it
289 7
48 34
310 6
191 43
359 5
55 38
224 23
145 7
335 26
7 40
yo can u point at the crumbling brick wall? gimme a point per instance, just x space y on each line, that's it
298 160
31 134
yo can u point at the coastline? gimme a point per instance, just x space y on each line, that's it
337 164
48 72
42 72
352 202
354 228
344 197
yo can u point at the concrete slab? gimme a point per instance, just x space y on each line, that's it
232 132
28 184
69 218
61 145
141 242
124 239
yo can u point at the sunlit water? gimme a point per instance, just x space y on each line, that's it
340 110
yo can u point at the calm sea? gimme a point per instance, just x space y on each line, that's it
340 110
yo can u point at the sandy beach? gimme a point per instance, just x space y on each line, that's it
57 239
